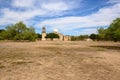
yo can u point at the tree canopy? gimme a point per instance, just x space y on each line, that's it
18 31
52 35
112 32
79 38
93 37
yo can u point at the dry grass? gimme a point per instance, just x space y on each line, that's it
47 60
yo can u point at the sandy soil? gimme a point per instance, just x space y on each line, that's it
47 60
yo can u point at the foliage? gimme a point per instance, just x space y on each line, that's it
94 37
73 38
52 35
102 34
1 30
113 32
79 38
39 35
18 31
83 37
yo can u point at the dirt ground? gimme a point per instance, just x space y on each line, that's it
47 60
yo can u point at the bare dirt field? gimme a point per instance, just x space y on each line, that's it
47 60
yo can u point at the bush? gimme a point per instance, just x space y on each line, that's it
52 35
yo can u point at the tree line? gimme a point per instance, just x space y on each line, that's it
20 31
112 33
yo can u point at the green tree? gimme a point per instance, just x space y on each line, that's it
73 38
19 31
94 37
10 30
29 34
52 35
1 34
102 34
39 35
82 37
113 32
1 30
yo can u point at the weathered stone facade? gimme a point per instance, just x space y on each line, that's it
61 36
43 34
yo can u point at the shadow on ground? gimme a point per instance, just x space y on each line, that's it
108 47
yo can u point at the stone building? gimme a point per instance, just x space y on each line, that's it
67 38
43 34
61 36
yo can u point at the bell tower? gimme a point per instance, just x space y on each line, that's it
43 33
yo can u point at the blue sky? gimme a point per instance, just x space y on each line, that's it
70 17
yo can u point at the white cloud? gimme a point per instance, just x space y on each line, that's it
34 8
60 5
23 3
87 31
54 5
57 6
101 18
13 16
46 8
113 1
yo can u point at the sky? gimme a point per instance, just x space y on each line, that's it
70 17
